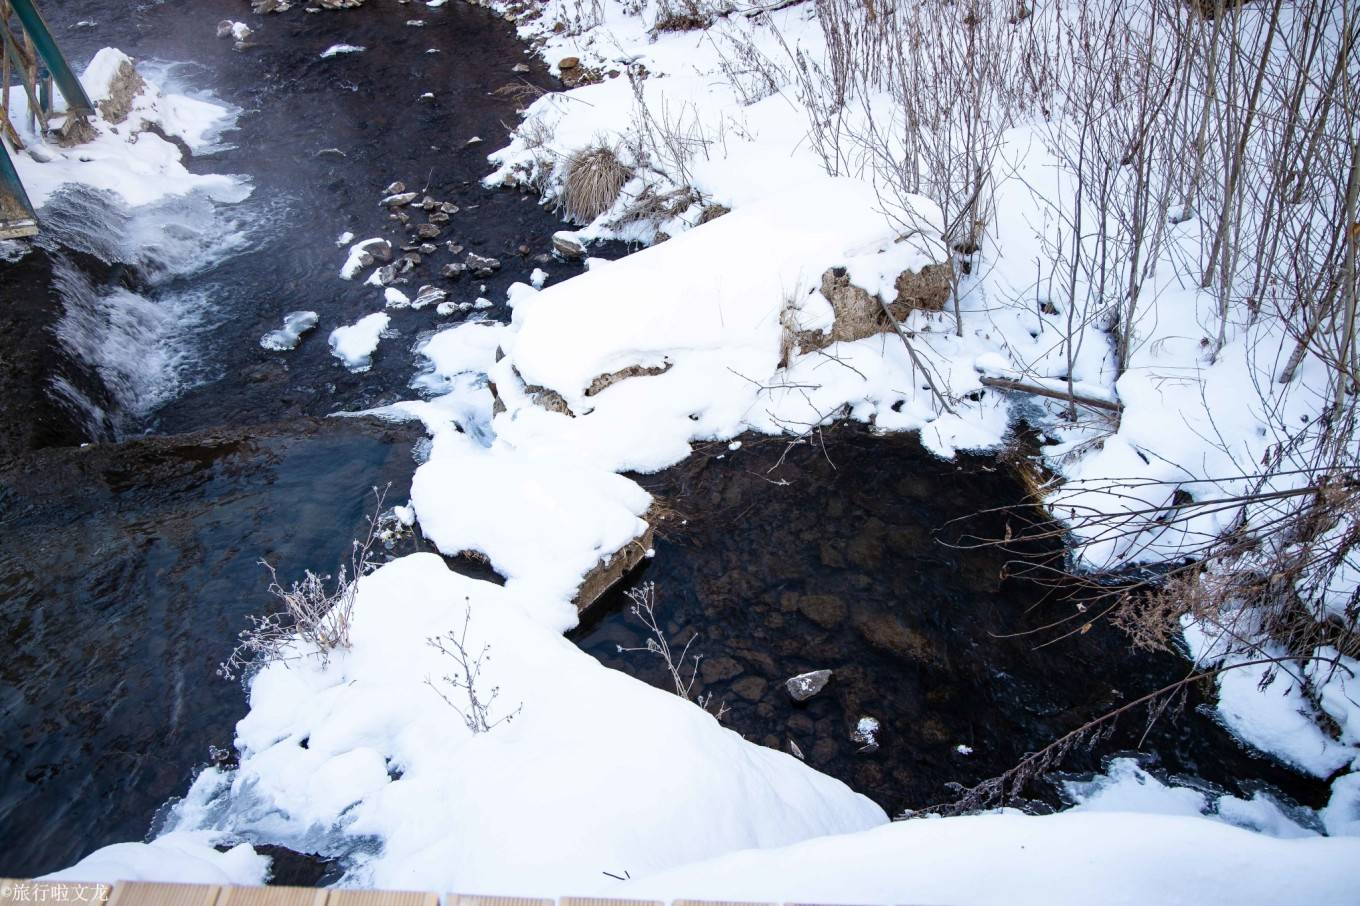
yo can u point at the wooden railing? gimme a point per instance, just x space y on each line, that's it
138 893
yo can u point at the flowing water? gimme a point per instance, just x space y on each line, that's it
129 565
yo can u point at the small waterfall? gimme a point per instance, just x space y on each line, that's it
142 347
135 323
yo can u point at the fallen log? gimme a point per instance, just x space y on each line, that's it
1091 402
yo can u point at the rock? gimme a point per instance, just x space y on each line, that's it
453 271
428 204
426 248
481 266
448 207
610 571
801 724
454 248
568 63
224 28
427 230
751 688
386 274
395 188
859 314
568 246
428 295
380 249
886 633
603 382
438 217
520 67
805 685
866 734
260 7
399 199
926 289
717 669
713 212
795 751
239 32
124 87
824 610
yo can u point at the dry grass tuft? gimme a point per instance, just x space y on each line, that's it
592 181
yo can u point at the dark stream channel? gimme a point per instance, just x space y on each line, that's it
130 564
845 568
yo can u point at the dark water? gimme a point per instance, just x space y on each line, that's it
126 572
843 568
295 106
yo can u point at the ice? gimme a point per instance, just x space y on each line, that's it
336 50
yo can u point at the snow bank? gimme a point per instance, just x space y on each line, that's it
182 858
125 158
596 772
1012 859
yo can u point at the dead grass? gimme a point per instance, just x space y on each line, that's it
592 181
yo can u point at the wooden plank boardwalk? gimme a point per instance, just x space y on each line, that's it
139 893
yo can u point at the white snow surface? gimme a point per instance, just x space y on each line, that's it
139 166
184 857
1069 858
597 771
354 344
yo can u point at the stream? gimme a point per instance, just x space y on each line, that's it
157 453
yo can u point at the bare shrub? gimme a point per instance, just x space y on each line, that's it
644 608
687 15
466 678
314 616
591 182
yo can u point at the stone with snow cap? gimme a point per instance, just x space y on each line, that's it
805 685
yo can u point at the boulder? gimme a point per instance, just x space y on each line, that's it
399 199
481 266
717 669
805 685
427 230
612 569
568 63
567 245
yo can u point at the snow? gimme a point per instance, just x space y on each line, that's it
661 781
355 343
295 324
138 166
336 50
354 261
186 857
1070 858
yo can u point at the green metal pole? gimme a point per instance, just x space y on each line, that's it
14 224
77 101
